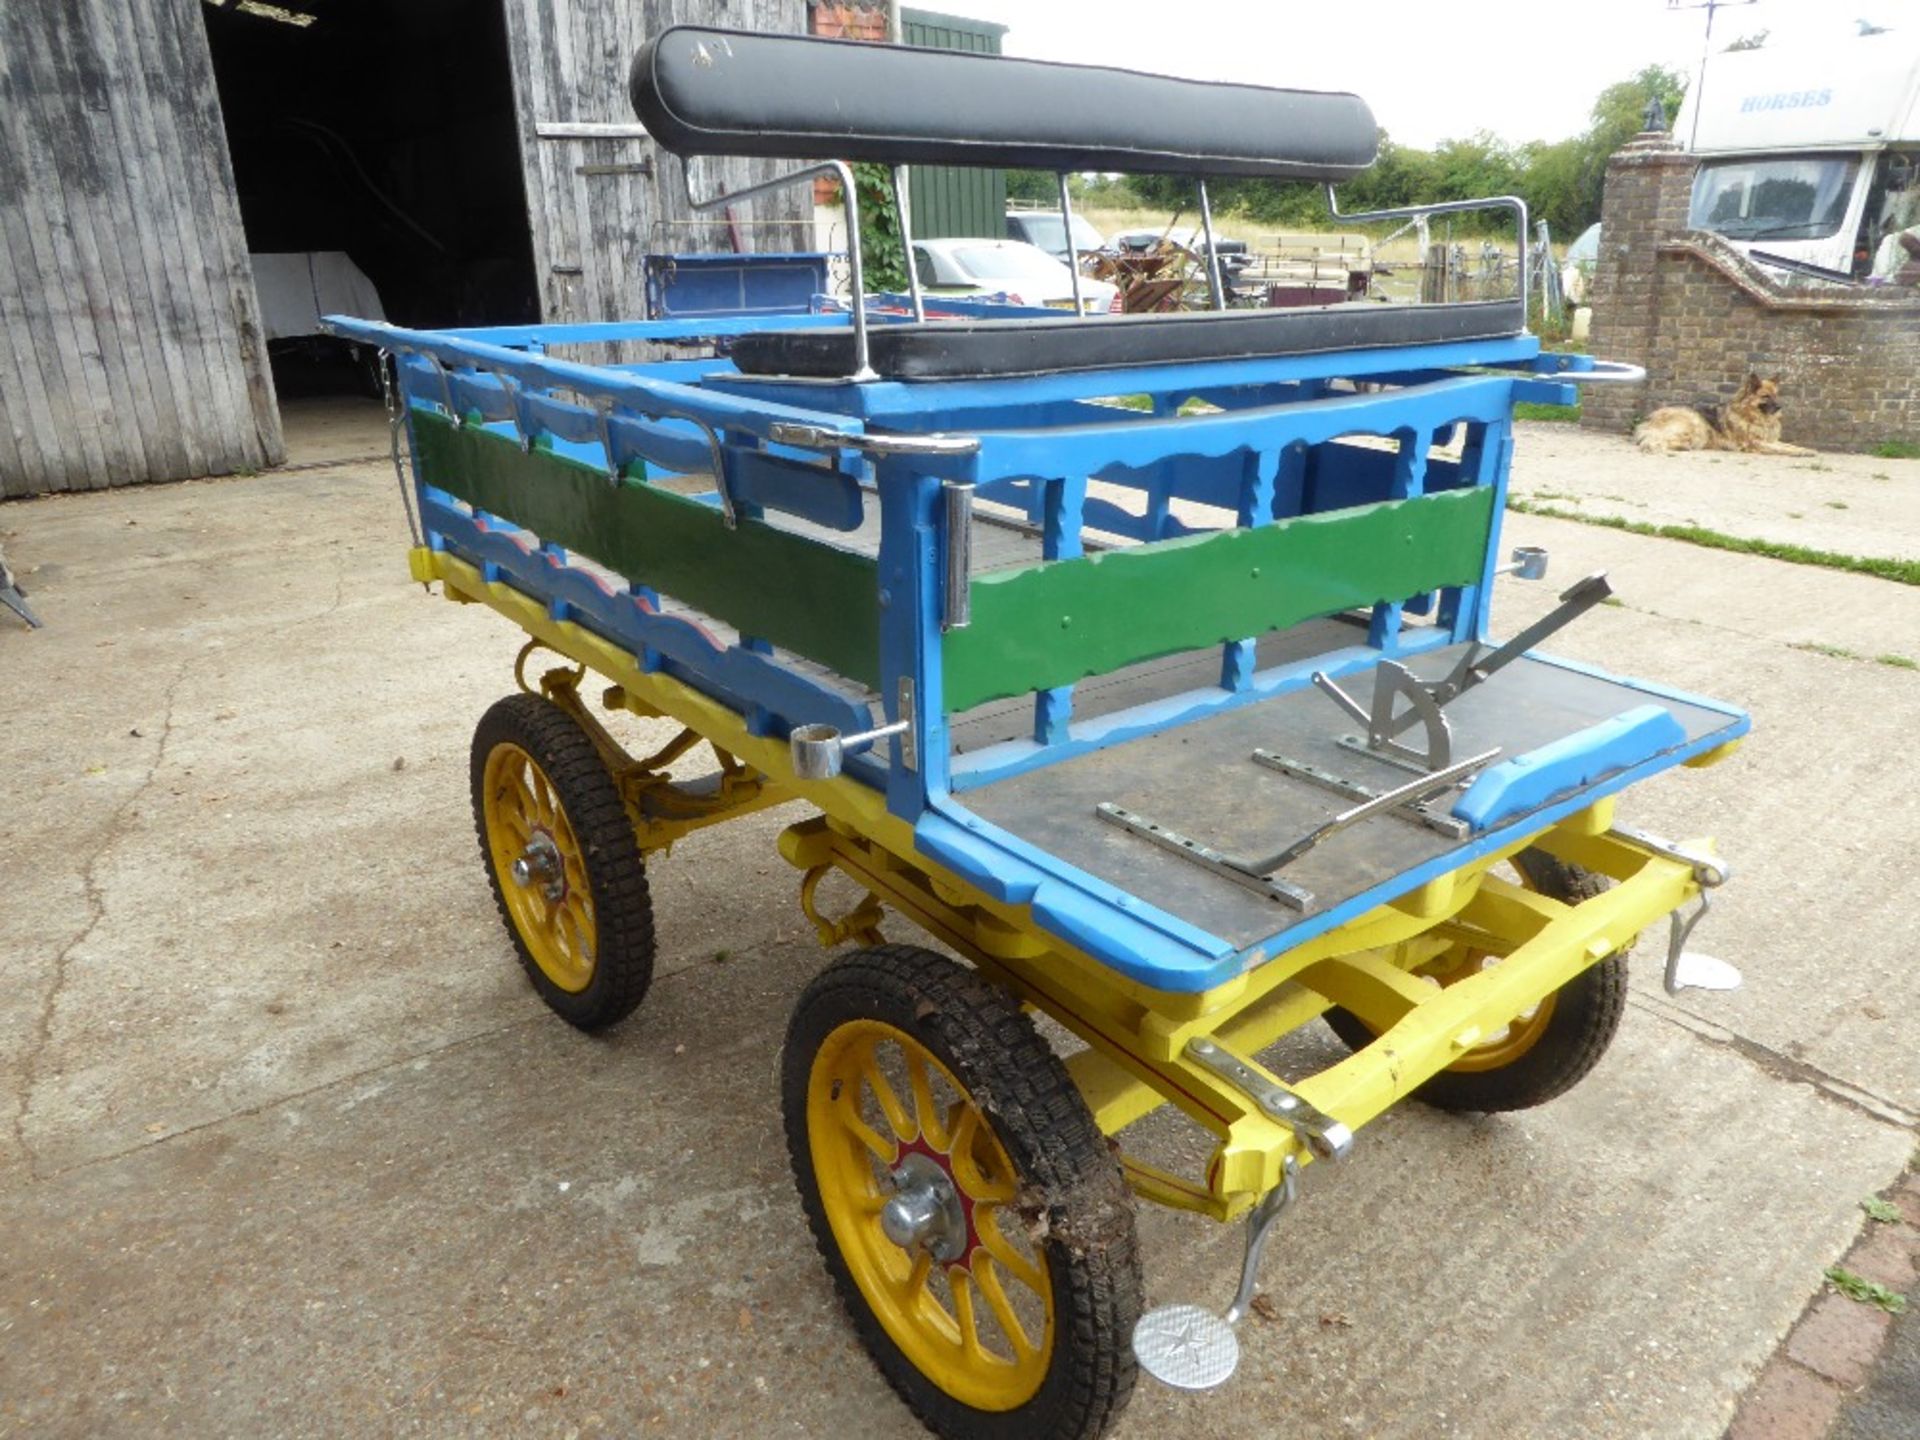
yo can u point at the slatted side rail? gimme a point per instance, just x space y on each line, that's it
523 461
640 446
1312 524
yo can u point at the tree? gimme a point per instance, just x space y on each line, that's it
1468 169
1616 118
1561 181
1618 110
1554 185
1035 185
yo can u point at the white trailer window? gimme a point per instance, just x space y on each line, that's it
1798 197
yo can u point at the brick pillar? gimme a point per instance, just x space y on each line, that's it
1649 184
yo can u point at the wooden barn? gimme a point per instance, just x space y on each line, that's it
186 184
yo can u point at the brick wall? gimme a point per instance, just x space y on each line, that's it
1648 185
848 22
1699 316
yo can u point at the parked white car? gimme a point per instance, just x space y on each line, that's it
1023 273
1048 230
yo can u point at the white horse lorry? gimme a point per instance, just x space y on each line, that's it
1810 154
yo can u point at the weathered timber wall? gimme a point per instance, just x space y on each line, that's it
130 345
593 211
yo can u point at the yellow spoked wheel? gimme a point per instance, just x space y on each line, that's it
533 849
562 859
984 1248
918 1191
1546 1050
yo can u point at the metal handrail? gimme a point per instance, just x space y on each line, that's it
903 205
856 278
1451 207
1073 251
1216 292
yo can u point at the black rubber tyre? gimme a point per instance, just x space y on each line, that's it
1586 1013
616 876
1072 1198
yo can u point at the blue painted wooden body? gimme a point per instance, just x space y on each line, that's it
1269 453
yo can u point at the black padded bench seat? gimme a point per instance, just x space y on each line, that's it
973 350
703 91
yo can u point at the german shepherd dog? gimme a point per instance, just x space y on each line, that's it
1751 423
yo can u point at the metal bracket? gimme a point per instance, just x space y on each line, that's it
1575 601
728 515
1392 680
603 410
1425 701
1191 1348
1257 873
819 437
446 389
1259 1227
956 600
1325 1136
1525 562
861 923
1420 812
1421 788
909 751
1710 871
1687 970
1205 856
819 751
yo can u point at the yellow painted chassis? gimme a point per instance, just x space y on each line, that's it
1137 1057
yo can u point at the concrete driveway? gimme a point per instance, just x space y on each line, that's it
290 1148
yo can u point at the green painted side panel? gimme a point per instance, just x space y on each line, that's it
1061 621
804 596
954 199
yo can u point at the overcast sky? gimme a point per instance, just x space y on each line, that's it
1523 69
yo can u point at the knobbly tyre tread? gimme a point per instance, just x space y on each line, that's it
1092 1249
616 872
1586 1015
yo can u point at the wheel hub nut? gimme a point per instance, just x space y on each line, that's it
925 1212
539 864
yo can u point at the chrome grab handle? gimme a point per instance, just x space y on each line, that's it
1452 207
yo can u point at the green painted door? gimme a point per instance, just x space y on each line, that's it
953 199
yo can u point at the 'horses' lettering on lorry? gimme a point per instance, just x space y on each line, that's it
1787 100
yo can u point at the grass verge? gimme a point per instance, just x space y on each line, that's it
1552 414
1840 652
1904 572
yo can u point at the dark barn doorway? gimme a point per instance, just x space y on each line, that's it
374 144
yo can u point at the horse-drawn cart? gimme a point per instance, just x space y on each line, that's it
1143 662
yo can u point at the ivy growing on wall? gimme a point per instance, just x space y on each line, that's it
881 250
